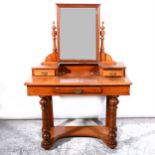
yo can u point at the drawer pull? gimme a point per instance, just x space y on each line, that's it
112 73
45 73
78 91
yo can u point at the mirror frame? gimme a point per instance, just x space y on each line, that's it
97 7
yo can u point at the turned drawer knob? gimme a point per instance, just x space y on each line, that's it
78 91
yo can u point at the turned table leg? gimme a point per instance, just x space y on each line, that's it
112 102
47 121
50 110
107 112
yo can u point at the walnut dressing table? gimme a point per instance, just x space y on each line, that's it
78 65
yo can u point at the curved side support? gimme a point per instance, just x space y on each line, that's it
106 59
50 59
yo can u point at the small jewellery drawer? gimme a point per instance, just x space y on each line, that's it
43 72
78 90
113 72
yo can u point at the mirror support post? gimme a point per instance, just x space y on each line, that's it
54 34
53 57
104 57
102 33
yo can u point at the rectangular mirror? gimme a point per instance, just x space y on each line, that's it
78 32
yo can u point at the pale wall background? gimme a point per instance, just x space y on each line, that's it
25 40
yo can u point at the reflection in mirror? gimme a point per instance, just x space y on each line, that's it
78 33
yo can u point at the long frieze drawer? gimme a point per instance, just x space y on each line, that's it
43 72
78 90
63 90
112 72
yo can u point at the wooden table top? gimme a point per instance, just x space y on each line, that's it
77 81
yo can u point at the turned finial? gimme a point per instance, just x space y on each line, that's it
54 33
102 33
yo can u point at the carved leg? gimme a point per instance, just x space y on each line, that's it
46 122
112 102
50 108
107 111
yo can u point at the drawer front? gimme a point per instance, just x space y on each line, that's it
78 90
43 72
49 91
113 73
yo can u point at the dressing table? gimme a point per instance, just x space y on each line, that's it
78 65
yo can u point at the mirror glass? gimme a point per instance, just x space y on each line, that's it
78 34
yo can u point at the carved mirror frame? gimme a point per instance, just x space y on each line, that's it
97 7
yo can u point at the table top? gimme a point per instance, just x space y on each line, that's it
94 80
